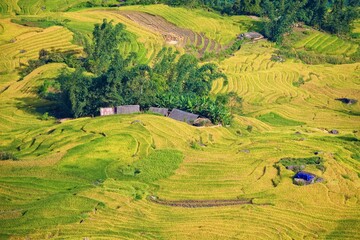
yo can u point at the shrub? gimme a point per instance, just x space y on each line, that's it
7 156
299 82
301 161
249 128
195 145
45 116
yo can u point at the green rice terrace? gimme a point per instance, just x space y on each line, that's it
276 109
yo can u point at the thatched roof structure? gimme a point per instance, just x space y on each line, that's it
183 116
251 36
107 111
127 109
202 122
162 111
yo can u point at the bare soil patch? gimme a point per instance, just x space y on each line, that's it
171 33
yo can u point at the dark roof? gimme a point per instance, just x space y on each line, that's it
162 111
183 116
127 109
305 175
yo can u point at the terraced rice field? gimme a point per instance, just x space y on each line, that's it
27 46
9 6
327 44
266 86
92 177
33 7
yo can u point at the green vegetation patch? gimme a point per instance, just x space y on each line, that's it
7 156
90 160
40 23
301 161
47 212
31 202
277 120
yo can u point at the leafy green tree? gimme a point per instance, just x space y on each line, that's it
314 13
140 89
341 16
75 92
106 38
281 16
171 82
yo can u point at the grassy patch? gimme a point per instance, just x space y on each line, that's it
40 23
299 82
277 120
301 161
7 156
158 165
90 160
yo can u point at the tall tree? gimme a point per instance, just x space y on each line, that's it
106 39
341 17
281 15
75 90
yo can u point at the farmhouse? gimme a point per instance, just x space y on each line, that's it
175 114
127 109
107 111
254 36
183 116
162 111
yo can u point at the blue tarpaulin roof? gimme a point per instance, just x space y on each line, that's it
304 175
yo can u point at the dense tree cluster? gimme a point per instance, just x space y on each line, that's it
334 16
45 57
106 78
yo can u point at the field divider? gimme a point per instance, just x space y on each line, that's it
203 203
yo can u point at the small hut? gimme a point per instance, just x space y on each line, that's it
183 116
127 109
304 178
107 111
348 101
162 111
202 122
254 36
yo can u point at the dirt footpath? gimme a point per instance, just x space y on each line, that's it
200 203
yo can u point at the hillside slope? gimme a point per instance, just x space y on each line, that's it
97 177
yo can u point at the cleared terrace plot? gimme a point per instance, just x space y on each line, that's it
173 34
222 29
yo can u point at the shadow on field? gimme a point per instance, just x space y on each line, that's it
39 107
